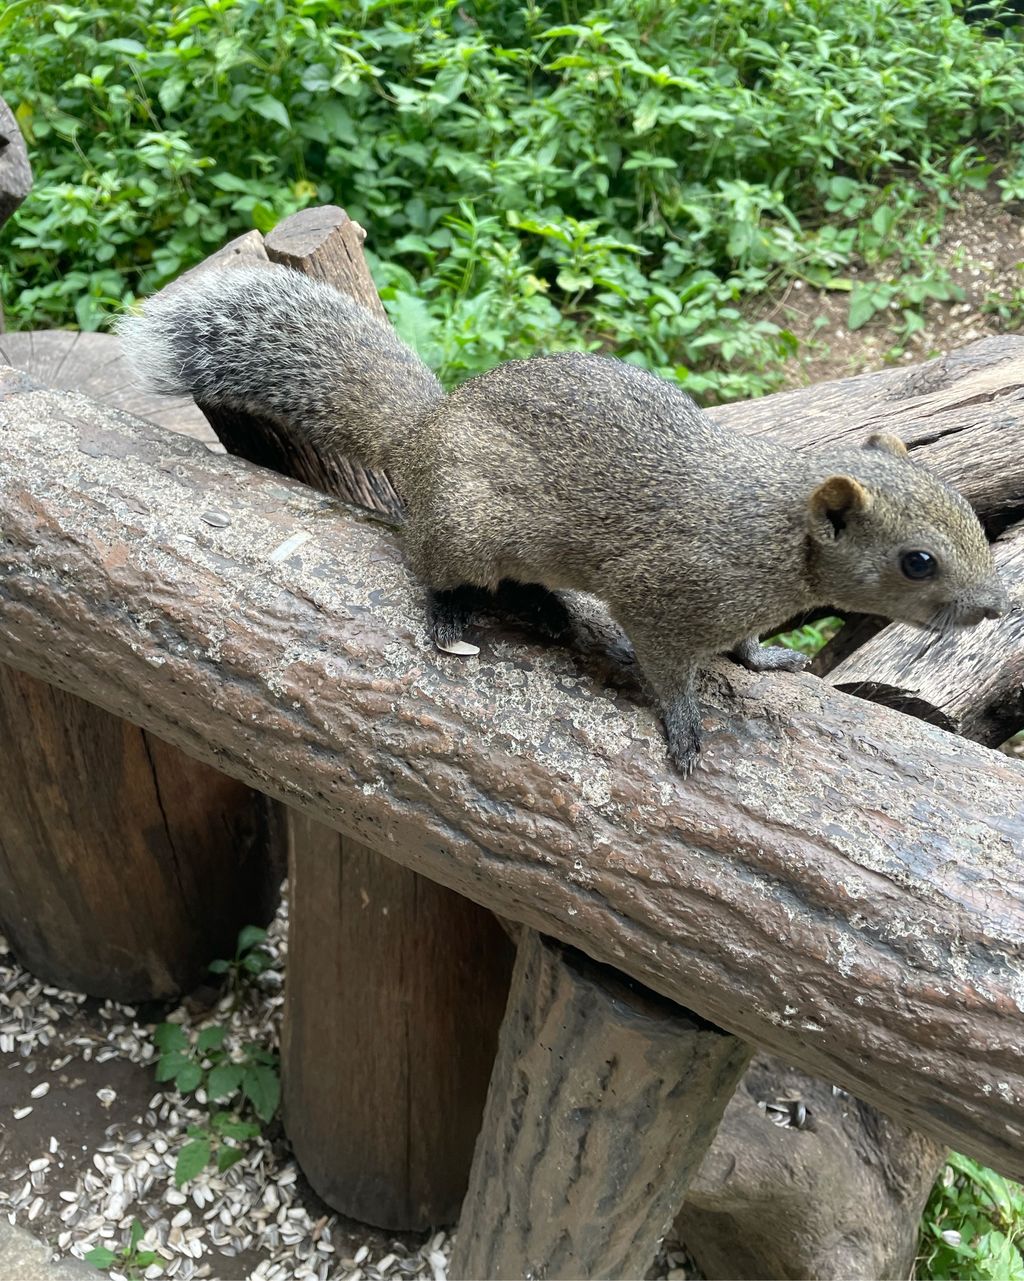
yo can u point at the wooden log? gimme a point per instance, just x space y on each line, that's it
390 1031
125 866
603 1102
94 364
805 1181
970 683
396 986
815 887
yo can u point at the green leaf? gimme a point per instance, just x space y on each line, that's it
191 1160
227 1157
228 1125
170 1036
224 1080
219 967
169 1065
862 306
188 1078
262 1088
101 1257
121 45
136 1234
211 1038
257 962
271 108
248 937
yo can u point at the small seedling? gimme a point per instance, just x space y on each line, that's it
250 961
130 1261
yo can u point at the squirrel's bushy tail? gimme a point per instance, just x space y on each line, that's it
268 341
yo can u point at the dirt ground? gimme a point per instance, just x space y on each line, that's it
982 246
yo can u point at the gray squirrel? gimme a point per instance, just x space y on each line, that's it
577 471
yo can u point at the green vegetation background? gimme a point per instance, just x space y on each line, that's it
534 175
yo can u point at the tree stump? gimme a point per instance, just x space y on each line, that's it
603 1102
396 986
803 1180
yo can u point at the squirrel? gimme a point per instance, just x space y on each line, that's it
580 471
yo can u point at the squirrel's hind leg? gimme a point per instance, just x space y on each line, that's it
537 607
450 612
671 674
755 657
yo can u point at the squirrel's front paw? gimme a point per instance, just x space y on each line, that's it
769 658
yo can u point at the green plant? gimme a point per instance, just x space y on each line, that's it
130 1261
973 1226
244 1079
250 960
809 638
626 175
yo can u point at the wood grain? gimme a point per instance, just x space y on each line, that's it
603 1102
838 882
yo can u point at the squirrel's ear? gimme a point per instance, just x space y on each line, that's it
891 444
835 501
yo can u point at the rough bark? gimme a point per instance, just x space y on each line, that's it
969 682
603 1102
94 364
396 985
804 1181
838 882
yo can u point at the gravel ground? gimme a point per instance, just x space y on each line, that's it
88 1143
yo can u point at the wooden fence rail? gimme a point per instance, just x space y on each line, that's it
839 883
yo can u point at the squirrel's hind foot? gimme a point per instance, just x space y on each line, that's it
449 614
682 725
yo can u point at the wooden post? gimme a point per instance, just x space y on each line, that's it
603 1102
396 985
125 866
15 173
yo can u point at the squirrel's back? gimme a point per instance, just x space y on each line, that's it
268 341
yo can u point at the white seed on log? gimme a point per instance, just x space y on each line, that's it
39 1090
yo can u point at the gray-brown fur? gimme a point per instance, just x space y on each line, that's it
580 471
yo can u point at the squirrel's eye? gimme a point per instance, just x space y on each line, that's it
918 565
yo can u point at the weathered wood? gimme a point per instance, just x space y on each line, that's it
94 364
390 1031
837 882
603 1102
838 1198
968 682
390 1027
125 866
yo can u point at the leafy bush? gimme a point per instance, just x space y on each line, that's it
973 1226
533 174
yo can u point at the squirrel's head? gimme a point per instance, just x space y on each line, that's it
887 537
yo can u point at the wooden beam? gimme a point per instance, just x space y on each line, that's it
838 882
603 1102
